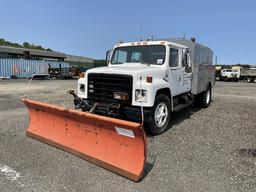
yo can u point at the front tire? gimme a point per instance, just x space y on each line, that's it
160 115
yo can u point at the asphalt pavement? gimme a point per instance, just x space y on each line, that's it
211 149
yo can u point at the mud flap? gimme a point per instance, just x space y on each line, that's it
117 145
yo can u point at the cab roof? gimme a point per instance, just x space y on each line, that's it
157 42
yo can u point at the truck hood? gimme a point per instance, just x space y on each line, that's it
133 69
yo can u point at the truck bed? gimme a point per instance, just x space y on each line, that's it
248 73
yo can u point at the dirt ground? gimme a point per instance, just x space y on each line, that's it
211 149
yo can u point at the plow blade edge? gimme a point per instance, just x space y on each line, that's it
117 145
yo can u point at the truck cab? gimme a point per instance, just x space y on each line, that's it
148 80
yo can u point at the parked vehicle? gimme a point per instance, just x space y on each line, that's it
144 82
160 76
60 72
217 72
229 75
248 74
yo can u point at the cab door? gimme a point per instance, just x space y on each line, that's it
186 71
179 77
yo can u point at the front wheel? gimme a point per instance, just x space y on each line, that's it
160 115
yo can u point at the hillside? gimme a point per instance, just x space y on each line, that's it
27 45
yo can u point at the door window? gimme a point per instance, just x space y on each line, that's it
184 59
174 58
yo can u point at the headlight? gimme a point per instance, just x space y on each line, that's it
81 88
140 95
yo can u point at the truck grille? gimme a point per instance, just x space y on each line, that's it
101 87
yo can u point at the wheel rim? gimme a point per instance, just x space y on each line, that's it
161 114
208 96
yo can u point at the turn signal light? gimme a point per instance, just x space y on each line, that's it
149 79
121 96
81 75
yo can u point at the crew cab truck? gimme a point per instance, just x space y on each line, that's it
148 80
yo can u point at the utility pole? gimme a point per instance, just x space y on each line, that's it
216 60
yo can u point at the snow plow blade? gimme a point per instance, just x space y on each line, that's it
117 145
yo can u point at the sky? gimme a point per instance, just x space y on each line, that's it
90 28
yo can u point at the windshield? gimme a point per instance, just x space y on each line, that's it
146 54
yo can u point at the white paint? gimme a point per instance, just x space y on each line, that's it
125 132
9 173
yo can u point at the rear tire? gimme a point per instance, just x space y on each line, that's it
204 98
249 80
159 116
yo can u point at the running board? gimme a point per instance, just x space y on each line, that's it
187 100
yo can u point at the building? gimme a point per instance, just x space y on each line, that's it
23 62
23 53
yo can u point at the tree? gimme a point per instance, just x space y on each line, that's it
99 62
26 45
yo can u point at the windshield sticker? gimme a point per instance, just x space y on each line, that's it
159 61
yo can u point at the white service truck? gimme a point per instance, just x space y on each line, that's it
148 80
229 74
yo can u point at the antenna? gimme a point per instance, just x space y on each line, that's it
140 32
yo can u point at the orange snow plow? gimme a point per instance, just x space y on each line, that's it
117 145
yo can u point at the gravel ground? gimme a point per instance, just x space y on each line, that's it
211 149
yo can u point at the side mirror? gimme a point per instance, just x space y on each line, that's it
188 68
108 56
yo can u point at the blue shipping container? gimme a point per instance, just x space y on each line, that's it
23 68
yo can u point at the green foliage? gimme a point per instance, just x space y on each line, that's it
230 66
99 62
24 45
